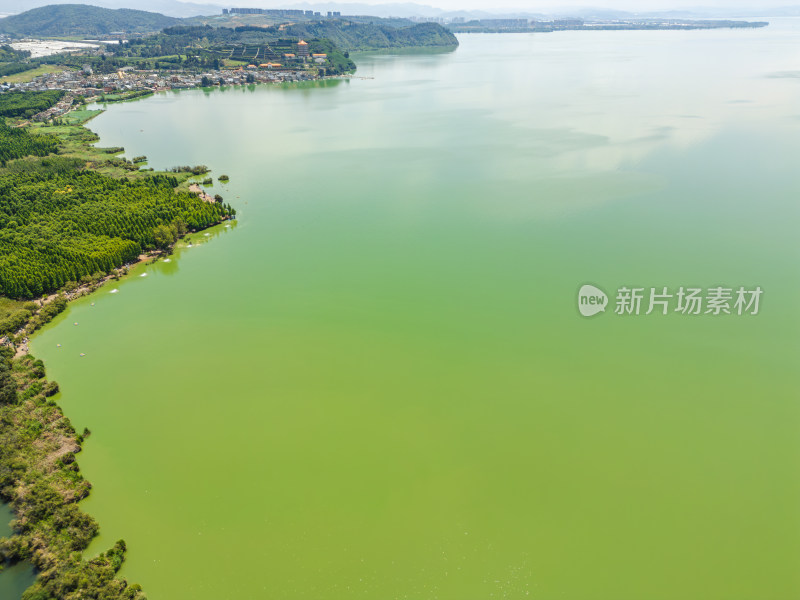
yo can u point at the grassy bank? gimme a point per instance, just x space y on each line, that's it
78 142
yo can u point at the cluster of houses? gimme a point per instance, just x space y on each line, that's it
63 106
86 83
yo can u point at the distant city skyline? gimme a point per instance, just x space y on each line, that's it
436 8
538 5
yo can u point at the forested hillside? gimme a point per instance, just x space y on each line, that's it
82 20
367 36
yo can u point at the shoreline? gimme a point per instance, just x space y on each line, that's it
22 349
138 83
49 458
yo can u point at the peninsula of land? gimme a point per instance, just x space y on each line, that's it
141 56
541 26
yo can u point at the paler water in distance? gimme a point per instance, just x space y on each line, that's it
378 384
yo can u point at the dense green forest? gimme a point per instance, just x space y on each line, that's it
27 104
82 20
15 142
41 480
61 226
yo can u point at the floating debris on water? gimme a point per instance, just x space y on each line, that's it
206 234
58 345
75 323
143 275
83 354
167 260
114 291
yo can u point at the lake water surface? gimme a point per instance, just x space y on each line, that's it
378 385
14 580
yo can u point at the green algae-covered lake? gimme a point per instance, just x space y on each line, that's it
377 384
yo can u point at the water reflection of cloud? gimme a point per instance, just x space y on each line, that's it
501 109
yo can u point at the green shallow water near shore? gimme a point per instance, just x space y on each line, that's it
377 384
14 580
6 516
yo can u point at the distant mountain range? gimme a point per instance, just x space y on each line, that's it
68 20
556 9
176 8
170 8
83 20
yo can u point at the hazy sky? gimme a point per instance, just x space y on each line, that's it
535 5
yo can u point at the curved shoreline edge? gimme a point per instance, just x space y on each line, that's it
39 476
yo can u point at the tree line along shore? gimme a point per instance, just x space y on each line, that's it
73 216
